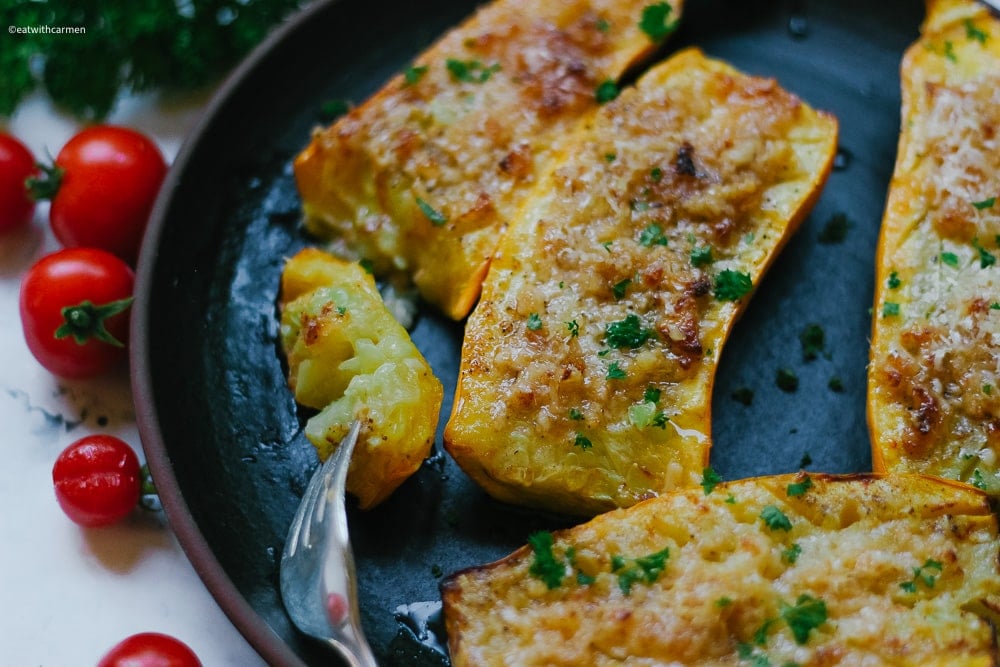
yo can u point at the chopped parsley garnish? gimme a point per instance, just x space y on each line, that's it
974 33
651 395
582 441
787 380
792 553
977 480
986 258
807 614
471 71
603 25
812 339
627 333
652 235
545 565
582 577
775 518
894 282
995 305
436 217
644 568
607 245
923 575
949 258
615 372
702 256
742 395
732 285
987 389
655 23
574 328
760 635
806 460
606 91
949 51
730 499
619 288
333 109
723 602
413 74
534 322
367 265
437 571
656 174
709 479
836 384
890 309
575 414
799 488
984 204
610 157
835 229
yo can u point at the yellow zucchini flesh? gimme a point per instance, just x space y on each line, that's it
587 366
422 179
350 359
934 377
791 569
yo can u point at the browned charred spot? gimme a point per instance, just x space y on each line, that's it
652 275
588 33
407 143
312 328
481 214
518 163
914 339
993 430
699 287
927 412
953 220
978 305
553 72
684 160
723 227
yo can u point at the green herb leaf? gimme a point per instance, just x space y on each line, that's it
619 288
573 328
799 488
792 553
709 479
534 322
923 575
436 217
787 380
977 480
582 441
812 340
742 395
775 518
545 565
807 614
642 569
413 74
984 204
732 285
627 333
702 256
890 309
836 384
606 91
331 110
651 395
655 23
986 259
652 235
615 372
471 71
894 282
575 414
949 258
835 229
656 174
974 33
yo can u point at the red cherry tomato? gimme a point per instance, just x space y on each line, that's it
102 188
150 649
17 165
74 311
98 480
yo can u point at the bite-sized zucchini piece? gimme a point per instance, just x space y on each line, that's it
350 359
934 377
784 570
587 366
423 178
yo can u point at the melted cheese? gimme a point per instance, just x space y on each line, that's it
935 373
423 178
905 569
554 409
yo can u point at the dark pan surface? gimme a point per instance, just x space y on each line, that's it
221 431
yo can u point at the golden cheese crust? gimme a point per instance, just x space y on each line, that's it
424 176
790 569
934 379
587 366
350 359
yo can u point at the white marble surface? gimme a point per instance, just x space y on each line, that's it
69 593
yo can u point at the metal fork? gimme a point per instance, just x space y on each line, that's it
318 583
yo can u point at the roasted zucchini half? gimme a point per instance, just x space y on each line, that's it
422 179
934 377
786 570
350 359
587 366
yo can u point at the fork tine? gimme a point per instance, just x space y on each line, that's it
299 531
